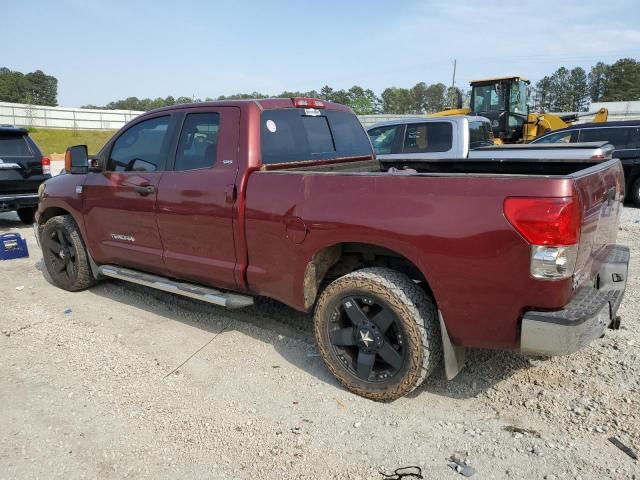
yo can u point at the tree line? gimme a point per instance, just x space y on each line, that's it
35 88
565 90
572 90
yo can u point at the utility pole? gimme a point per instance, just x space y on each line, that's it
453 80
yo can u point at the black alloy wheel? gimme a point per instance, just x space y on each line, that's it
62 254
366 338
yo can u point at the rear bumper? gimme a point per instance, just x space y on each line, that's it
14 201
585 318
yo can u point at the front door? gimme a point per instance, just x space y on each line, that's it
120 202
196 198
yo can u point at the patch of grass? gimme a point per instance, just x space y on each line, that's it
56 140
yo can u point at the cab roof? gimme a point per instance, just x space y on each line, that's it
262 103
497 79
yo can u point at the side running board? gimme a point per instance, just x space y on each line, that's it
224 299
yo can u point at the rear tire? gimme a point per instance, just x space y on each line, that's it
65 254
635 192
378 333
26 214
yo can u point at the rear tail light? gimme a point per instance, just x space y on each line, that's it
552 227
303 102
46 165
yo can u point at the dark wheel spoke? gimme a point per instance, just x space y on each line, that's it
355 314
61 267
383 320
390 356
343 337
72 251
61 238
365 364
54 246
70 269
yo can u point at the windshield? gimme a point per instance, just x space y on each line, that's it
296 134
480 134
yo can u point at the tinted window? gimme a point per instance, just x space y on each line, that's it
290 135
560 137
634 138
198 144
428 137
14 146
480 135
615 136
384 138
140 148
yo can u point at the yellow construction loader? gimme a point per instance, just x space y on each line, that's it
504 101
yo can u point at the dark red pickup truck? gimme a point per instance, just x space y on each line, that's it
284 198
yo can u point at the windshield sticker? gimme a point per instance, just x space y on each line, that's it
271 126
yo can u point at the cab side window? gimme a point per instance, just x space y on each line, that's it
141 148
428 137
198 144
634 137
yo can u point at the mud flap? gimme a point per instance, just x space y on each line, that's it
453 355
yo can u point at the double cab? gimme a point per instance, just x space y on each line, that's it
402 268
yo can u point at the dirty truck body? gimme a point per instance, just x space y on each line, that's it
290 203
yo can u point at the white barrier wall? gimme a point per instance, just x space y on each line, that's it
60 117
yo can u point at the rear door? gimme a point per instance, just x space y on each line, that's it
20 163
196 198
120 202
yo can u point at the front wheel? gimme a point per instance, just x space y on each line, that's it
65 255
378 333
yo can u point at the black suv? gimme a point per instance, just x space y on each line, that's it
22 170
624 135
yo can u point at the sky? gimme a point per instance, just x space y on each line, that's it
108 50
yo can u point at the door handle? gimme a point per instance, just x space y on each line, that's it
144 190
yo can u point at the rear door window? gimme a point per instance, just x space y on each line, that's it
297 134
384 139
617 136
14 146
428 137
198 143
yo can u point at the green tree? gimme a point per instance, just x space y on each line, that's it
435 97
579 90
622 81
396 100
597 81
543 99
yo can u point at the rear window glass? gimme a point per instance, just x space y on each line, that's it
615 136
480 134
428 137
14 146
291 135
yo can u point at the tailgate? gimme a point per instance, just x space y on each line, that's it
601 192
20 164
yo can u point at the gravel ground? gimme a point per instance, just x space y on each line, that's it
90 389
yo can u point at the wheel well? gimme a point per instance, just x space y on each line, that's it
50 213
338 260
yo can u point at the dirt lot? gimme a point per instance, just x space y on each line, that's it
87 391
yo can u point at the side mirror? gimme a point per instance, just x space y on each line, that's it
76 160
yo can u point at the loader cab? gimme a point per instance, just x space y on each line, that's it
504 101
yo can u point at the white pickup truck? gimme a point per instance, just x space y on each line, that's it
467 138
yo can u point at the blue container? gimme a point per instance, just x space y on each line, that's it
12 245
